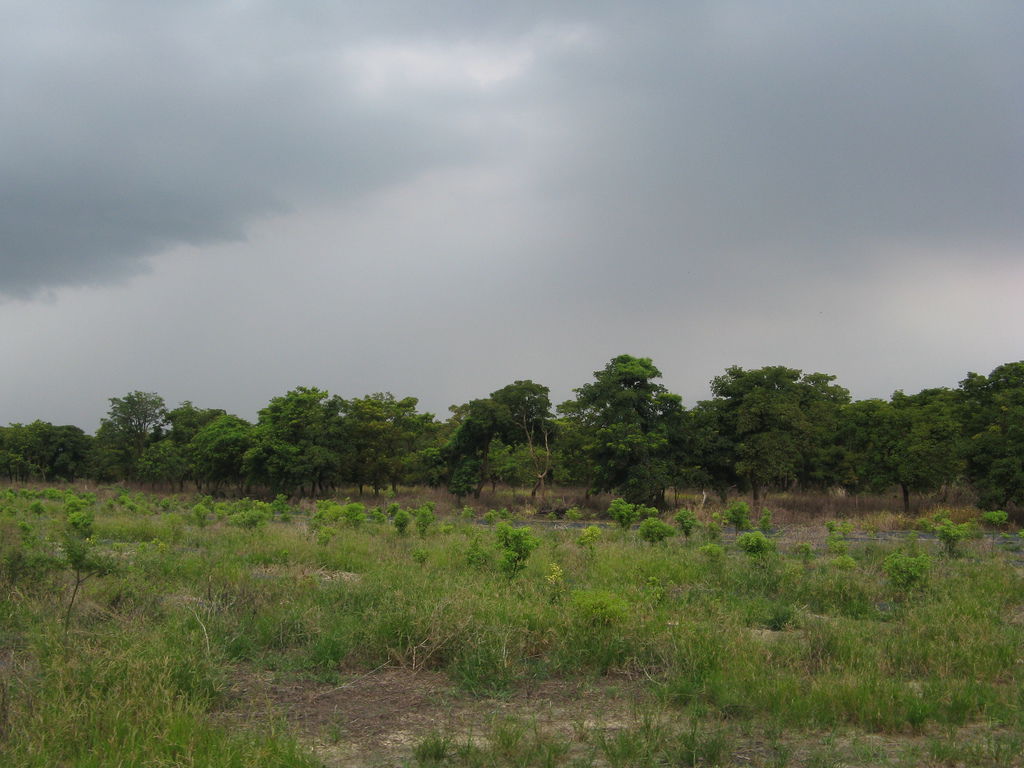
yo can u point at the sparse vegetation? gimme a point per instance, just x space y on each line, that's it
721 653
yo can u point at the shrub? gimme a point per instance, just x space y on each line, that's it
906 571
476 555
353 515
737 515
401 521
951 534
80 521
424 518
686 520
653 530
995 517
516 545
589 538
599 607
844 563
765 523
804 551
712 551
251 517
755 544
624 513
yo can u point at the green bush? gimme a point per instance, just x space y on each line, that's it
951 534
424 516
625 514
516 545
737 515
401 521
599 607
995 517
755 544
653 530
589 538
686 520
907 571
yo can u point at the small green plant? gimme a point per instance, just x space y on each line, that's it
401 520
907 571
804 551
624 513
837 545
353 514
588 538
490 517
80 521
85 562
653 530
841 528
764 523
844 563
325 534
755 544
573 514
424 518
516 545
737 515
599 607
712 551
252 517
997 518
433 750
951 534
420 555
476 555
686 519
555 579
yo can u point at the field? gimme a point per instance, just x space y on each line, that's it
179 631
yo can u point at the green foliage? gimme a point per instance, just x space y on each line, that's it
424 516
420 555
844 563
80 520
712 551
907 571
516 545
737 515
476 555
599 607
251 516
625 514
997 518
804 551
951 534
401 521
588 538
755 544
765 521
653 530
686 520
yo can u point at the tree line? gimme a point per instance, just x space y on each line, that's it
763 429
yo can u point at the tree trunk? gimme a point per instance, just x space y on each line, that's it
906 499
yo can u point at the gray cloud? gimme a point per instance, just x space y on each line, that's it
406 190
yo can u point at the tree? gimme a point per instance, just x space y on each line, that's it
296 443
131 422
526 421
781 423
992 412
380 435
218 452
927 453
626 422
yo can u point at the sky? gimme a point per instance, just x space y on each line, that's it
219 201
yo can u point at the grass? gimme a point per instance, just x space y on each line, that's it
731 653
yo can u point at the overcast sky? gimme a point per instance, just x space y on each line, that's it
220 201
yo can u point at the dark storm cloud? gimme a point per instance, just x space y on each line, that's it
685 138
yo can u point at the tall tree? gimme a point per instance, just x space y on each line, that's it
131 423
782 423
626 422
295 445
992 412
380 436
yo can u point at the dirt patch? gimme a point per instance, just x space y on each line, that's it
379 717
